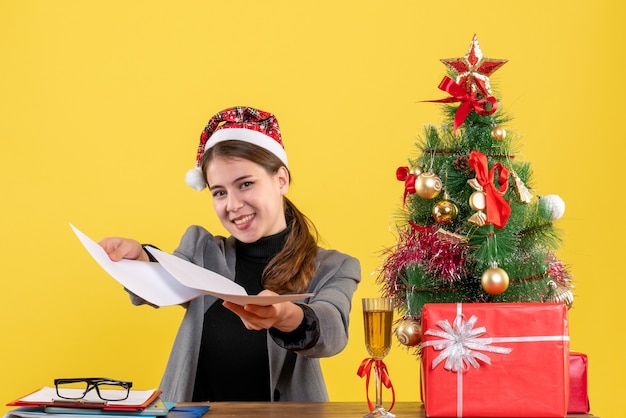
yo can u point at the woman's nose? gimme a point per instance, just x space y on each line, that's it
233 203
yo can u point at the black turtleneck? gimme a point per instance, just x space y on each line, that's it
233 363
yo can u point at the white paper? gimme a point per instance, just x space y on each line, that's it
29 412
148 280
47 394
172 280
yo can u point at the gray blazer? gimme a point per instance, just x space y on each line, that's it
295 373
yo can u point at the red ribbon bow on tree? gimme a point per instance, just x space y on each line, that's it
469 101
498 209
380 369
404 174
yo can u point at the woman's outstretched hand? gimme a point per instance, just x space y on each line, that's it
119 248
284 316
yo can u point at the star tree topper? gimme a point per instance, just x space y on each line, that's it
473 70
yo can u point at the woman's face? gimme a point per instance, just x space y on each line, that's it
247 200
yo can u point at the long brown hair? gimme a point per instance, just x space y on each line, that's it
293 267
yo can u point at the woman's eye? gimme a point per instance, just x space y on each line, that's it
246 184
218 193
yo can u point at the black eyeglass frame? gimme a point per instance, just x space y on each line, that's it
94 383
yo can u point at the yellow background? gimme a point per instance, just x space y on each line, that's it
102 104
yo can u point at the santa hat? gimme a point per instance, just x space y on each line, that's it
238 123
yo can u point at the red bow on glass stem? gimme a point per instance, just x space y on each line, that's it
365 369
469 101
498 209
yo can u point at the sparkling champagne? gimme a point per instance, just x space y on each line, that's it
378 332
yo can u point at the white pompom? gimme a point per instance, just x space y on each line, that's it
195 179
554 204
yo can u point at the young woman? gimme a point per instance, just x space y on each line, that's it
227 352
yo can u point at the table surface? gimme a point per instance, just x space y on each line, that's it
314 409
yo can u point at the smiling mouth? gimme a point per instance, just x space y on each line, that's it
243 220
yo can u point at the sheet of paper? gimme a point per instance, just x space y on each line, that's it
214 284
149 281
194 276
48 394
172 280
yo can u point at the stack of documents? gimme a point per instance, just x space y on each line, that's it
44 403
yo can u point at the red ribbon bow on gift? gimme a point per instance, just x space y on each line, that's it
380 369
469 101
498 209
404 174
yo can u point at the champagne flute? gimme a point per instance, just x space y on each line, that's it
377 321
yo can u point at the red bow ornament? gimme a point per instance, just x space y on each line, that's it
469 101
498 209
408 176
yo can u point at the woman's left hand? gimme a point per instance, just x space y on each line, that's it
285 316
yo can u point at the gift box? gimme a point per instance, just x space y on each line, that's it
495 360
578 395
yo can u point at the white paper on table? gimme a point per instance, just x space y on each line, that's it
172 280
48 394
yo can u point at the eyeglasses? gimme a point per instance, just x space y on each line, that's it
107 389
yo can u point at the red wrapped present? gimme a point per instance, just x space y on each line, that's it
578 396
495 360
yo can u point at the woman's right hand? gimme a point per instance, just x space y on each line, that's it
118 248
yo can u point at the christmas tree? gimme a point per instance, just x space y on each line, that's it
471 227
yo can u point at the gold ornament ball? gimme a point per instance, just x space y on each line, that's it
445 212
409 332
498 133
428 185
562 294
494 280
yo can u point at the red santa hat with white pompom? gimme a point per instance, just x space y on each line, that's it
238 123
